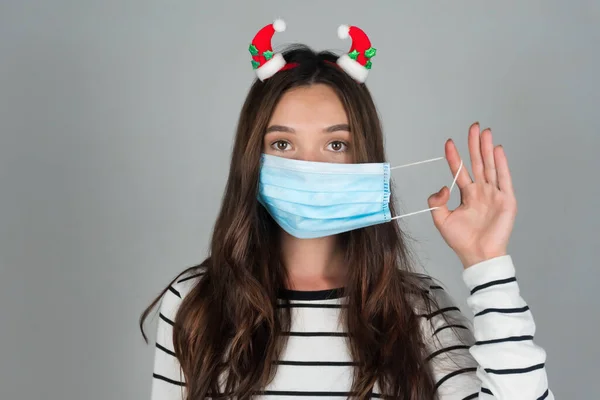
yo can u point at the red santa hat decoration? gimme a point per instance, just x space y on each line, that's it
357 62
266 63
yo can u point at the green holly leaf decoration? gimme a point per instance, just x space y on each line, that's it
353 54
370 52
368 65
268 54
255 64
253 50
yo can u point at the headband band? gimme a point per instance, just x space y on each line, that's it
266 63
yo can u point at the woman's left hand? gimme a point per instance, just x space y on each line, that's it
480 228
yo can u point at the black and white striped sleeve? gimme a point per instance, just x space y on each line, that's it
168 380
495 357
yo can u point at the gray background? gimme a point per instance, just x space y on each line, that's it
116 123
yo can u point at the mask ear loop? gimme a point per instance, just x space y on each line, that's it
418 162
422 162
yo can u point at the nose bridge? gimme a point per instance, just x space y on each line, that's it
310 155
309 151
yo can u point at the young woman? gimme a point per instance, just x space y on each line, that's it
308 291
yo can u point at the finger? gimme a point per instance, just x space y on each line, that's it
475 151
439 200
504 178
454 162
487 152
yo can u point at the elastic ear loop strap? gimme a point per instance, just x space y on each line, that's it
423 162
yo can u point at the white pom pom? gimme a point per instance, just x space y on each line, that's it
343 31
279 25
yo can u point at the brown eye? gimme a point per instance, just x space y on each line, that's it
338 146
280 145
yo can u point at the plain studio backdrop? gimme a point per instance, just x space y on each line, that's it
117 120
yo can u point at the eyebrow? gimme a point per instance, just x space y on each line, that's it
338 127
287 129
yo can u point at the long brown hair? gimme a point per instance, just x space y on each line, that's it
229 324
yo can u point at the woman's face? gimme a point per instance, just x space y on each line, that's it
310 124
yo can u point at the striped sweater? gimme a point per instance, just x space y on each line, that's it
492 358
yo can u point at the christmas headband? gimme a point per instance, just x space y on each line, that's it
356 63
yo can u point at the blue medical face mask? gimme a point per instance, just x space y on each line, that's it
315 199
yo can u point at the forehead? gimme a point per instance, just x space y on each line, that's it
316 103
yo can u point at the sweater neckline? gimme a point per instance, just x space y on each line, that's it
311 295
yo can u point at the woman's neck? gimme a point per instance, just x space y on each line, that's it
313 264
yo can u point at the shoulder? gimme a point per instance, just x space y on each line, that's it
180 287
447 336
168 377
187 280
438 313
497 274
431 297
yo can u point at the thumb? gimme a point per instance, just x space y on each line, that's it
439 199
